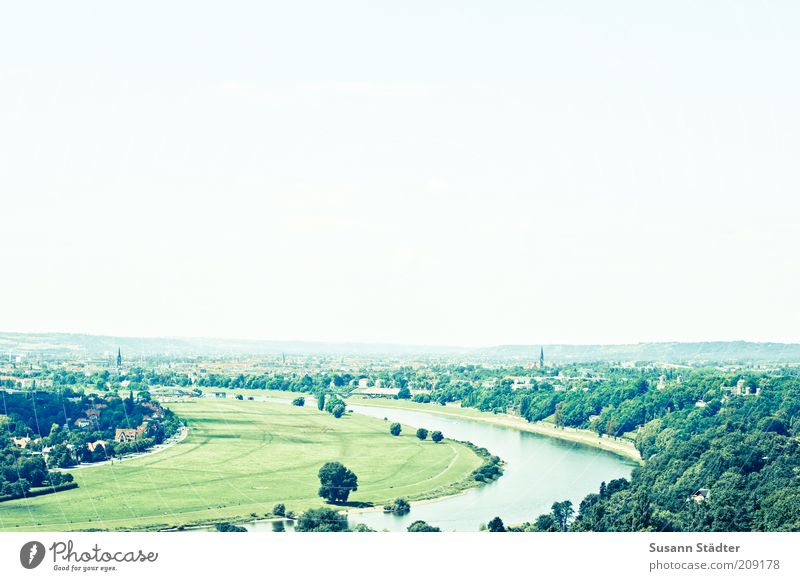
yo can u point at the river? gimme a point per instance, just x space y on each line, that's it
539 471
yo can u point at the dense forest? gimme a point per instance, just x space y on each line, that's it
715 459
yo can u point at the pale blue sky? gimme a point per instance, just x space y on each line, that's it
428 172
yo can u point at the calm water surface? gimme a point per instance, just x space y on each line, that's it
539 471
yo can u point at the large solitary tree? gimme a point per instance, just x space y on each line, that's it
336 482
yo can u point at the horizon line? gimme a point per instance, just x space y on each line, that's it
394 344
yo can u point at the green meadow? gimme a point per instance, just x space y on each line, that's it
239 459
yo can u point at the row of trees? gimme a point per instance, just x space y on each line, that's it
395 429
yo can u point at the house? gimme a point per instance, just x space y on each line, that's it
21 442
83 423
92 446
125 435
93 413
700 495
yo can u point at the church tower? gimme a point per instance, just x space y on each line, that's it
541 358
119 361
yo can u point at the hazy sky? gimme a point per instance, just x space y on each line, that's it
440 172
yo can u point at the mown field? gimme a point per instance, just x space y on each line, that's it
242 457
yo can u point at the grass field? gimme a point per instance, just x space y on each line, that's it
242 457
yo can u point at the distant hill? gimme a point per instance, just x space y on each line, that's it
710 351
66 344
72 345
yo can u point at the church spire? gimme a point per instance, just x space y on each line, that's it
541 357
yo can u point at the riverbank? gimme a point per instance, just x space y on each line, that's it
623 448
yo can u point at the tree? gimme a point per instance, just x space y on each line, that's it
420 526
321 401
321 520
422 433
404 393
562 513
399 506
496 525
338 411
362 528
279 509
61 457
336 482
129 403
394 429
437 436
225 527
299 401
545 523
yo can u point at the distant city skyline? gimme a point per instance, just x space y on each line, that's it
435 174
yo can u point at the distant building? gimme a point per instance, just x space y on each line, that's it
169 392
742 389
124 435
541 358
92 446
119 362
700 495
519 381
